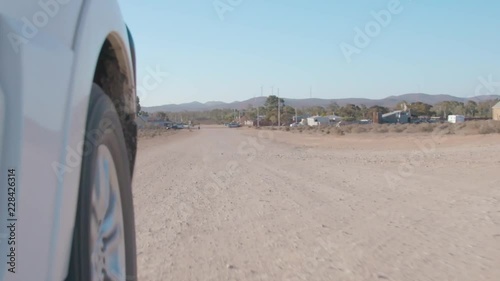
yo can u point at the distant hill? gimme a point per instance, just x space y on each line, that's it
387 102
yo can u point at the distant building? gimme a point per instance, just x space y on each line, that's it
334 118
299 118
250 122
456 119
496 112
318 120
141 121
399 116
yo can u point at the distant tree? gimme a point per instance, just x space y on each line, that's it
484 108
272 103
316 110
376 109
333 108
421 109
137 105
162 116
287 115
271 107
363 112
471 108
350 111
273 119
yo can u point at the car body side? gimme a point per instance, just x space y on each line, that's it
45 83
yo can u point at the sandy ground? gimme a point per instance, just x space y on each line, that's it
245 204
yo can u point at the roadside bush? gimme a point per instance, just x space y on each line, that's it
347 129
485 129
426 128
461 126
380 128
359 129
397 128
444 126
151 132
473 124
338 131
489 127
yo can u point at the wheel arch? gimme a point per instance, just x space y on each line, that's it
115 74
100 24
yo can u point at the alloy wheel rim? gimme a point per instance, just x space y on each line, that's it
107 237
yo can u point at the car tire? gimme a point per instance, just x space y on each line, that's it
103 245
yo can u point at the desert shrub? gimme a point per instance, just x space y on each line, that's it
444 126
473 124
485 129
451 130
150 131
347 129
496 125
426 128
287 129
359 129
378 128
412 128
489 127
328 131
398 128
338 131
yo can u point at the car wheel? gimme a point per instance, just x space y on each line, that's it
104 236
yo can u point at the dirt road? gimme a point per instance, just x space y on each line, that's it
242 204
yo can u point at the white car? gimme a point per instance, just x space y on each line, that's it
67 141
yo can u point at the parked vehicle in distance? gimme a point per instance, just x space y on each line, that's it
234 125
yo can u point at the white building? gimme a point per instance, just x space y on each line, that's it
456 118
318 120
249 123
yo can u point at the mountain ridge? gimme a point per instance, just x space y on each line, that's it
389 101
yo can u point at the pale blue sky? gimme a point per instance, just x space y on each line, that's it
435 47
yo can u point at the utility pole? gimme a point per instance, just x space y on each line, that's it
279 109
